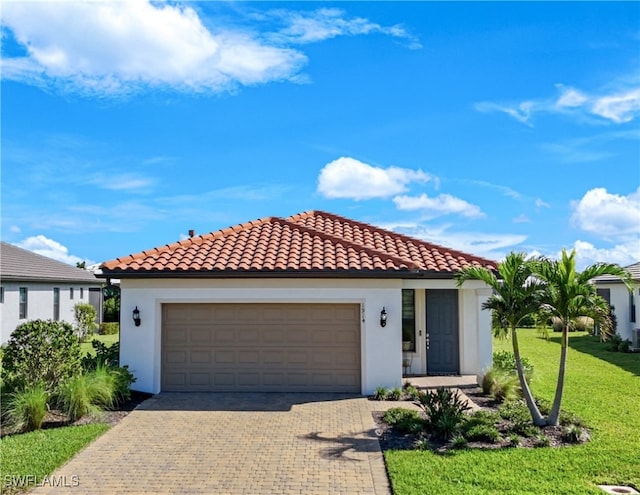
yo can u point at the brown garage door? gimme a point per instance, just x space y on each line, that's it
261 347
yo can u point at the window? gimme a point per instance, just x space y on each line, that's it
1 294
81 292
632 309
56 303
70 292
408 320
24 296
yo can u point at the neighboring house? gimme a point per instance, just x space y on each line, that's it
314 302
35 287
623 301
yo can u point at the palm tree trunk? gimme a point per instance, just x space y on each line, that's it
536 417
554 414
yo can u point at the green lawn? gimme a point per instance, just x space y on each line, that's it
28 458
105 339
602 387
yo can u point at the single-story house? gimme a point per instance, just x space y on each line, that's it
34 287
624 303
313 302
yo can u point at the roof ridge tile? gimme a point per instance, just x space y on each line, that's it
370 251
380 230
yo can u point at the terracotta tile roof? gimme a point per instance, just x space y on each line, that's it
314 242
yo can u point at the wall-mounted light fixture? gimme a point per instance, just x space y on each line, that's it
136 316
383 317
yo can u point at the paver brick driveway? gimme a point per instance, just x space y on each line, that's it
252 443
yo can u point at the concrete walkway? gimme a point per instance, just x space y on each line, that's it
234 444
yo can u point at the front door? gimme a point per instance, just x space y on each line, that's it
443 351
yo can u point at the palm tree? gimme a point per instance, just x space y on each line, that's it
515 295
569 295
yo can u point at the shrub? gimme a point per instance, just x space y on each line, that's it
483 433
515 411
110 328
111 309
458 442
506 361
39 351
514 440
487 381
103 386
380 393
483 418
123 381
501 385
404 420
27 408
85 316
74 397
616 344
544 405
575 434
104 355
394 394
518 413
584 324
88 393
445 412
412 392
541 440
505 387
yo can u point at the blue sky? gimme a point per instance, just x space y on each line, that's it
487 127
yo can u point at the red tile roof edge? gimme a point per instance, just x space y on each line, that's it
186 242
380 230
323 235
111 266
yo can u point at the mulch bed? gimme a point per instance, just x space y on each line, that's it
392 439
55 419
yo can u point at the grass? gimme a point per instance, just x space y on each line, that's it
38 453
105 339
601 387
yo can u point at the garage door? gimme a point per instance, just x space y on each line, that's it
261 347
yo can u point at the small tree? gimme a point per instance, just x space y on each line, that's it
111 307
41 352
85 316
516 295
568 295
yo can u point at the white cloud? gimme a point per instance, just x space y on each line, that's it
121 182
327 23
442 204
44 246
571 98
541 204
492 246
507 191
120 47
619 105
15 229
609 216
619 108
350 178
623 254
520 112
